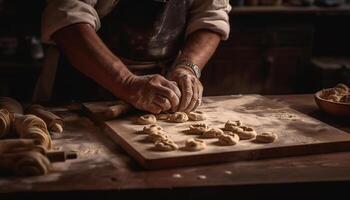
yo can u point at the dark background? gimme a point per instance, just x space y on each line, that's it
270 51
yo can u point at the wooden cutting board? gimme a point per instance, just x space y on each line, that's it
298 134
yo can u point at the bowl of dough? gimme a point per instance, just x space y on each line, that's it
335 101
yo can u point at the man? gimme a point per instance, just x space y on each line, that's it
124 46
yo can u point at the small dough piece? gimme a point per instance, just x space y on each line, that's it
266 137
162 116
147 119
328 92
195 145
197 116
178 117
232 124
213 133
157 136
165 145
247 133
228 140
153 128
234 129
198 129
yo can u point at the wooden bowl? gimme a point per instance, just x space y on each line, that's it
333 108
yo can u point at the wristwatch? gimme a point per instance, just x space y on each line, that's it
194 67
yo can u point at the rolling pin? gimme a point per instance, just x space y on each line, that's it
54 123
114 111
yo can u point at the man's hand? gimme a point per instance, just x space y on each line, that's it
152 93
191 88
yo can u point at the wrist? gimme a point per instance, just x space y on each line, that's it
189 66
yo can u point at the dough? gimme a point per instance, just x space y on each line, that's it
195 145
198 129
178 117
54 123
32 127
228 140
162 116
344 88
246 134
31 164
213 133
147 119
6 122
234 129
156 136
197 116
334 98
266 137
165 145
231 125
153 128
345 99
11 105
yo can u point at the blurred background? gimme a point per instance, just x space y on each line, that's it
275 47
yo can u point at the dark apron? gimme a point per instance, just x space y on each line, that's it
136 30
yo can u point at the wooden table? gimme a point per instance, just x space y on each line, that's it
103 169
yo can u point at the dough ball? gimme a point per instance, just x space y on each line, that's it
213 133
147 119
197 116
178 117
247 133
162 116
165 145
195 145
228 140
198 129
266 137
153 128
343 87
157 136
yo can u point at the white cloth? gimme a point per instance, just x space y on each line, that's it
204 14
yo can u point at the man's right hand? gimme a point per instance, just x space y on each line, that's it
152 93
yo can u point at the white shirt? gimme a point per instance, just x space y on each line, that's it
204 14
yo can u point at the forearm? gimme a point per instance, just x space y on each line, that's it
87 53
199 47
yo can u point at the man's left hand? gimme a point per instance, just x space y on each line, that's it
191 88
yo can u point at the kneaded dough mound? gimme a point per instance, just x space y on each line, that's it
266 137
157 136
195 145
213 133
165 145
147 119
198 129
197 116
228 140
153 128
178 117
247 133
232 125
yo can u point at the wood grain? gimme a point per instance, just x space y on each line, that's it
298 134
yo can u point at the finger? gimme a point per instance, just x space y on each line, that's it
186 93
194 98
200 95
154 109
168 94
173 86
162 102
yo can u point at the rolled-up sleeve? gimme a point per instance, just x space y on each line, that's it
61 13
211 15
